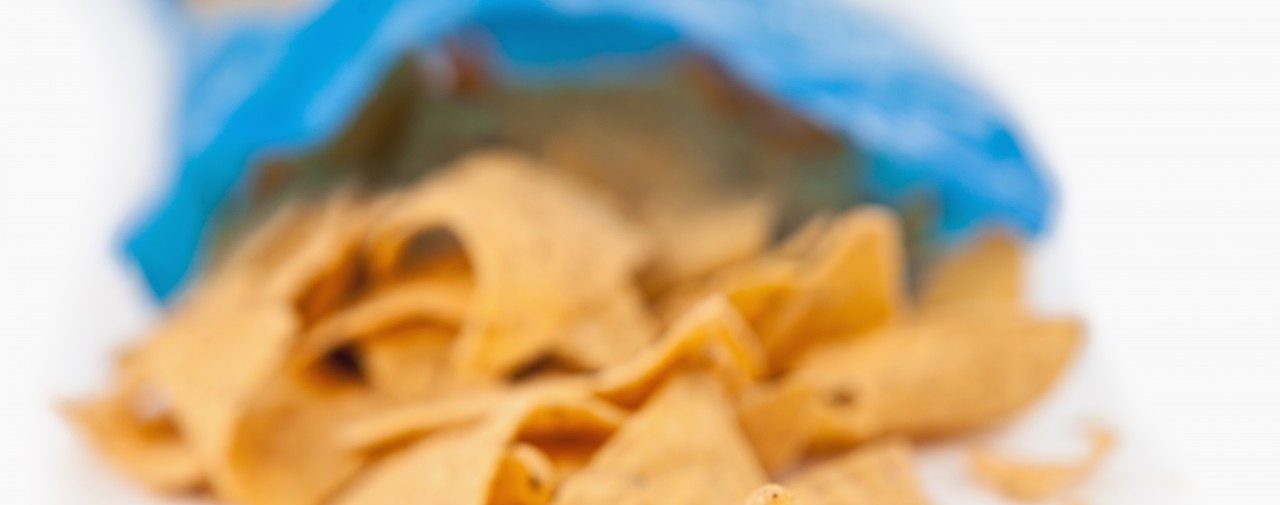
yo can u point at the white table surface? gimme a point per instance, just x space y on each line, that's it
1161 119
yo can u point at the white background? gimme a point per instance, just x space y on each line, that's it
1160 118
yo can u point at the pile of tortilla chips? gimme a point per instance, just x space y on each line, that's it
500 333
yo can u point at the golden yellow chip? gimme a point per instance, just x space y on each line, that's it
285 448
781 423
525 477
954 371
386 427
759 289
608 334
853 280
1038 481
437 302
146 446
771 494
209 365
305 255
409 363
989 269
568 434
542 251
876 474
567 412
691 239
234 331
453 467
711 335
756 288
683 447
460 466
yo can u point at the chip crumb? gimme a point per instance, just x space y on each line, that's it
1038 480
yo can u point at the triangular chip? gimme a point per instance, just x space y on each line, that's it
988 269
710 335
756 288
210 364
425 301
954 371
682 448
780 422
144 445
881 473
691 239
233 332
531 280
459 467
305 255
454 467
412 420
408 363
285 448
852 280
608 334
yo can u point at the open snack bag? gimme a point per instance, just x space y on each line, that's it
581 253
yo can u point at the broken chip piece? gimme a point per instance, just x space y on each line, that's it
1038 481
146 447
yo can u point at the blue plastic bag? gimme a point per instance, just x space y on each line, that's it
292 83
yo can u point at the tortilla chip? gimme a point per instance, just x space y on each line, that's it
285 448
756 288
988 269
306 254
607 335
459 467
691 239
569 437
711 335
852 281
209 365
453 468
427 301
232 332
760 288
1038 481
780 423
771 494
408 363
584 253
682 447
952 372
396 424
525 477
878 474
144 445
